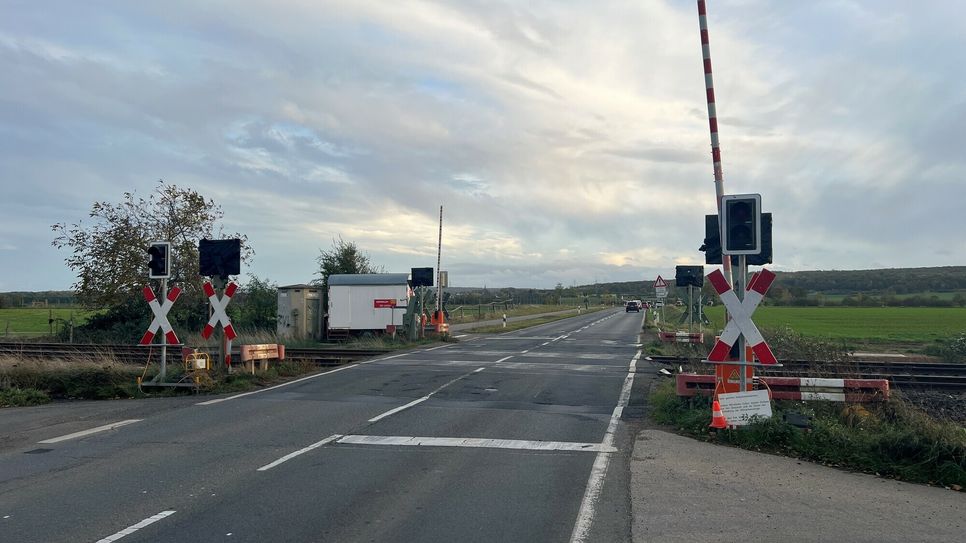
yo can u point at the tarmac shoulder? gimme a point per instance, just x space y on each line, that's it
687 490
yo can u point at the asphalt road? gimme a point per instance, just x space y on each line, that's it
513 437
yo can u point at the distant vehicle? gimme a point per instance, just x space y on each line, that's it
632 305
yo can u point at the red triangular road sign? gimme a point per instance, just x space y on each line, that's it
660 283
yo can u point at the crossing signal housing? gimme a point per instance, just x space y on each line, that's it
159 265
741 224
712 242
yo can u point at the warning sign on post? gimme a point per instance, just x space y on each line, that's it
739 407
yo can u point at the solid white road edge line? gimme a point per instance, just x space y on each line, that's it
473 442
133 528
243 394
423 399
384 358
290 456
83 433
595 483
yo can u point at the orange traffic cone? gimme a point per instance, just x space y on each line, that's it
717 419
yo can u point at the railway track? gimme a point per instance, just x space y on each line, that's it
136 354
903 375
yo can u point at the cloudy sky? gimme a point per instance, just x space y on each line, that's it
567 140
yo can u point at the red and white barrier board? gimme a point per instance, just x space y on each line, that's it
796 388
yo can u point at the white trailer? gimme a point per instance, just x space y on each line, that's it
367 301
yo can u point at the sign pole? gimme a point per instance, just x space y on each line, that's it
740 284
690 308
164 340
219 283
439 274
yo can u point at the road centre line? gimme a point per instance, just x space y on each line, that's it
434 348
391 412
504 359
304 450
595 483
83 433
135 527
219 400
472 442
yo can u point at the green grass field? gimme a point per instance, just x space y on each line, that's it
945 295
869 324
33 321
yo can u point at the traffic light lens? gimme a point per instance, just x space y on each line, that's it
740 211
741 236
158 264
741 228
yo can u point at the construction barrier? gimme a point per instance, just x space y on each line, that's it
250 354
797 388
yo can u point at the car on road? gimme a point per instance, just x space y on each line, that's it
632 305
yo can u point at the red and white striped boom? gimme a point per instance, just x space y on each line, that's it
712 122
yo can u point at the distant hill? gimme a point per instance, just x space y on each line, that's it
893 280
840 282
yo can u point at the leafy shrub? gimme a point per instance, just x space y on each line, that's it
17 397
891 438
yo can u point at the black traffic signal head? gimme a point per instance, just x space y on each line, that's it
689 276
159 267
219 257
422 277
741 224
712 242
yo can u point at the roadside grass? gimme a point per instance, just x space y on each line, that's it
527 323
908 325
15 397
891 439
28 382
34 321
25 382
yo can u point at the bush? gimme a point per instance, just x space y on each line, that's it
891 438
18 397
953 350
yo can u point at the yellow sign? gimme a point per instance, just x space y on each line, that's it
734 377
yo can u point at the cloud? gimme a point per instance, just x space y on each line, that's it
566 141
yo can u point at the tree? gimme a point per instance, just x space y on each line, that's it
110 254
344 257
257 305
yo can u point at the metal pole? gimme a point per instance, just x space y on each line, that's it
741 280
690 308
164 340
713 124
439 274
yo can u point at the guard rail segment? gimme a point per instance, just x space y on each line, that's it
919 375
796 388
